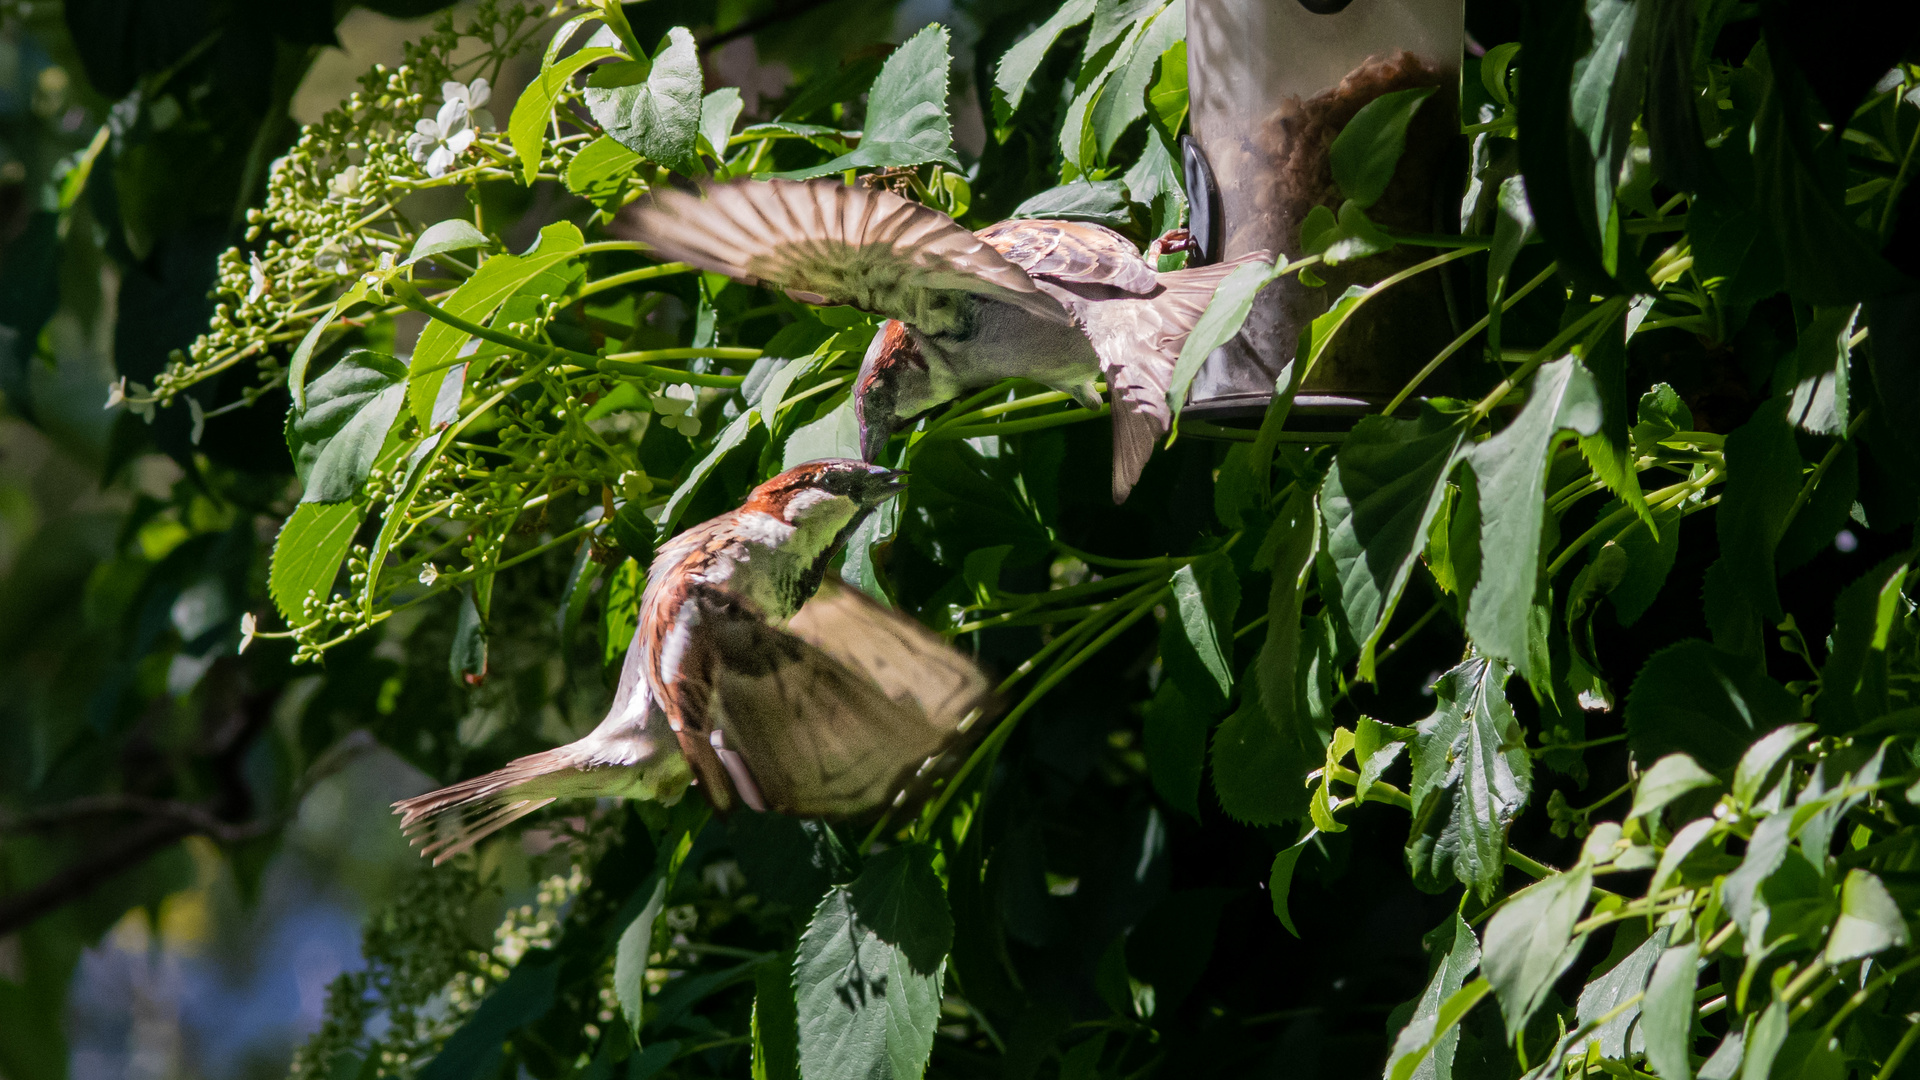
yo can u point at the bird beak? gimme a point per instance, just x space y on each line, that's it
873 439
887 484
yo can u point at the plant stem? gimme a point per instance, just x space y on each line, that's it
1461 341
644 273
990 747
1543 354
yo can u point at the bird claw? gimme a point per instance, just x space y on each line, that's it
1173 242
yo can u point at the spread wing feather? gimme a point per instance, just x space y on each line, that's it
827 243
840 733
1072 251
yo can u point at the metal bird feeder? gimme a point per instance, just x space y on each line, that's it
1271 83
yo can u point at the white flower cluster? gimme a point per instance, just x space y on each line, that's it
438 140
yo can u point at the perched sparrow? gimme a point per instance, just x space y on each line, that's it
753 671
1059 302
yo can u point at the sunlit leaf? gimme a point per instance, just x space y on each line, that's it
307 556
1471 776
906 111
1530 941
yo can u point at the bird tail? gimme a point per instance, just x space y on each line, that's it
1144 337
446 822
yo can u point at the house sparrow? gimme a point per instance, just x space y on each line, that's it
1059 302
755 673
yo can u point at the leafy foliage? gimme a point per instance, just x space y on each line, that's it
1705 220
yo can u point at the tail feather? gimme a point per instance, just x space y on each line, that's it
1139 343
446 822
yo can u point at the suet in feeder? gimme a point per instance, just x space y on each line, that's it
1271 83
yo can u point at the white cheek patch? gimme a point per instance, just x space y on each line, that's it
765 530
804 501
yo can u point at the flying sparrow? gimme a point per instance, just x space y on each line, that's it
754 672
1062 303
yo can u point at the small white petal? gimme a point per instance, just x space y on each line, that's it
478 92
451 118
247 629
117 393
483 120
426 126
453 91
460 140
439 162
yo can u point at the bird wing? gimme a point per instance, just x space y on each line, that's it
1074 252
841 727
827 243
631 754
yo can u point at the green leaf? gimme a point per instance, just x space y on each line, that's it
1379 500
634 533
1609 451
1694 699
1530 941
1856 675
1649 561
1757 764
527 127
1422 1050
307 556
1103 202
467 659
1205 596
776 1032
1123 102
719 111
630 957
1764 1038
869 970
474 1049
1669 778
1018 64
1511 469
1154 181
1666 1013
454 234
1226 312
906 111
1821 358
497 278
1600 997
601 171
659 118
1264 751
1471 776
834 435
1689 837
1763 478
337 437
1869 921
1168 94
1111 20
1366 151
1513 231
1585 68
303 353
1280 880
1079 143
1176 745
1407 1061
1800 180
1766 850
